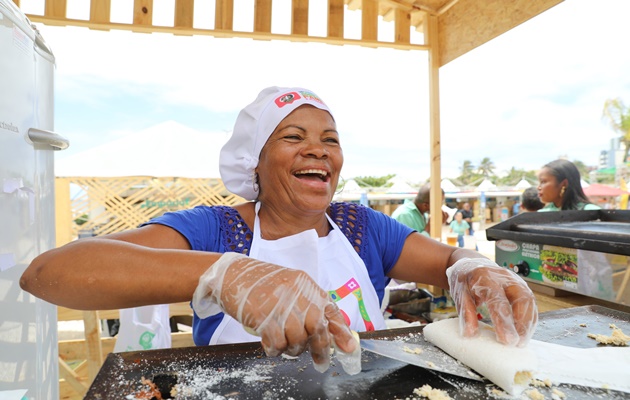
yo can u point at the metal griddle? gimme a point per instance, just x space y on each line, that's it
381 378
605 231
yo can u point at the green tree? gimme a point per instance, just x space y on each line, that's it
467 173
486 167
374 181
618 116
514 176
583 168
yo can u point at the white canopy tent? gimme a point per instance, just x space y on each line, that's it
400 186
522 184
448 186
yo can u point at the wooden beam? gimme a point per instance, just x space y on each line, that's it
100 11
468 24
92 329
143 13
335 18
262 16
184 12
224 15
17 2
369 20
63 212
55 8
436 199
72 378
402 23
225 34
299 17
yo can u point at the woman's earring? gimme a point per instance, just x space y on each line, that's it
564 188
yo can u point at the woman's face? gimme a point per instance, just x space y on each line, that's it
549 189
301 161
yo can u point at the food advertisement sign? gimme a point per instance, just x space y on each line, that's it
591 273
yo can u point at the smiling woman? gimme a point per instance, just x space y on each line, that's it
286 267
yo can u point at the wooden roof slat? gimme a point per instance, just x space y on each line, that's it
184 10
299 17
224 15
143 13
100 11
402 21
462 24
335 18
262 16
467 24
369 20
55 8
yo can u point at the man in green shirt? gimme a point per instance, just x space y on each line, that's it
415 213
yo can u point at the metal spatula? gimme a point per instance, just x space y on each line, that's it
423 354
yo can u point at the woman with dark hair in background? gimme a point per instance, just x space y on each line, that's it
560 187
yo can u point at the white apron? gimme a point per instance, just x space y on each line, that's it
331 262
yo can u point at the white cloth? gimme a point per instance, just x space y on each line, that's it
331 262
144 328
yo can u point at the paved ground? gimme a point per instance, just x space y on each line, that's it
485 246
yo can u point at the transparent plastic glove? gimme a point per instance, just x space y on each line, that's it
510 302
285 307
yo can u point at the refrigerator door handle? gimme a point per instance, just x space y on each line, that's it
48 138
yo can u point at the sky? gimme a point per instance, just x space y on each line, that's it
530 96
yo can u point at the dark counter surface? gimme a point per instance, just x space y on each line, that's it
242 371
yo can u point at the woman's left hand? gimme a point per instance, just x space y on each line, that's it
511 303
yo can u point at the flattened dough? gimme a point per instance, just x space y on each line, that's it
510 368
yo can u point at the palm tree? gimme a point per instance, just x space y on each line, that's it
618 116
486 167
467 170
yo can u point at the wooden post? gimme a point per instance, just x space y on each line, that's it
335 18
143 12
63 212
100 11
402 21
299 17
184 10
55 9
431 33
369 20
92 329
262 16
224 15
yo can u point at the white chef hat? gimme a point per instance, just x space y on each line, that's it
254 124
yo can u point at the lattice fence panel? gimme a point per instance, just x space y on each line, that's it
99 206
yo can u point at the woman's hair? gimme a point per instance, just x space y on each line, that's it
530 200
564 169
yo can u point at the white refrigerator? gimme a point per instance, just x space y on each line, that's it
28 326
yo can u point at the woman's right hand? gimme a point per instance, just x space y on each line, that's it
285 307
